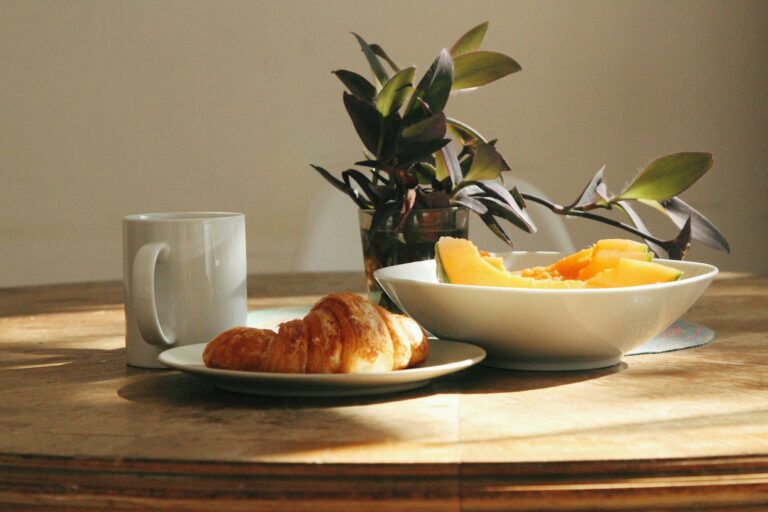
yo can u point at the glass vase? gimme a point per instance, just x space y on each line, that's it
388 245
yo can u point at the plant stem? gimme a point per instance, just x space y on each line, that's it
556 208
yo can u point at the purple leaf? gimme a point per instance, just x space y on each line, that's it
493 189
356 84
639 224
702 229
678 247
496 228
364 183
513 214
519 199
433 89
429 129
342 186
592 193
407 205
366 119
470 202
379 51
382 213
452 164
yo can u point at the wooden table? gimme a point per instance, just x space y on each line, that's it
78 429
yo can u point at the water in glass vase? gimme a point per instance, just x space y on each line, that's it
388 245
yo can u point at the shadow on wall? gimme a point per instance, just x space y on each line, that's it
330 239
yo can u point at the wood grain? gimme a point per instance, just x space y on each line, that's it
81 430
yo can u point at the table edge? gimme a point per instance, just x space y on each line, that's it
738 480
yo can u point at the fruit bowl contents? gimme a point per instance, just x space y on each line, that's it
609 263
556 320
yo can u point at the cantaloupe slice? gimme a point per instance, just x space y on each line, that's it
572 266
569 266
605 259
619 244
496 261
629 272
459 262
612 263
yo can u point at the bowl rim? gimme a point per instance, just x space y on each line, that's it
710 271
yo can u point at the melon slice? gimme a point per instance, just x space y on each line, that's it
607 258
609 264
569 266
633 272
620 244
459 262
496 261
603 254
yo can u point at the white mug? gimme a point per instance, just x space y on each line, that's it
185 280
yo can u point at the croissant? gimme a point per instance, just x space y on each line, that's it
342 333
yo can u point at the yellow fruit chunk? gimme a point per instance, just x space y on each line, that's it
493 260
570 266
459 262
632 272
605 259
603 254
607 264
619 244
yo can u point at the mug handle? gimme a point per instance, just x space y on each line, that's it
144 301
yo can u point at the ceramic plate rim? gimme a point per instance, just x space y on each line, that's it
429 371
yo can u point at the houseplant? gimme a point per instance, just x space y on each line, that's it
421 166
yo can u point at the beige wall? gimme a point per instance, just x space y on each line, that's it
111 108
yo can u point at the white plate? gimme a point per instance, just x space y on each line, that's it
445 357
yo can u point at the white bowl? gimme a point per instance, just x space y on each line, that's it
553 330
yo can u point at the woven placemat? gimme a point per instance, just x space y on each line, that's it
678 336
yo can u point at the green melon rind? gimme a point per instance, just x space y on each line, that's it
610 275
442 276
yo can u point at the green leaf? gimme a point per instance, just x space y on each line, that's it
378 70
394 92
668 176
433 89
379 51
463 131
470 41
487 164
356 84
431 128
441 167
367 121
474 69
426 174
